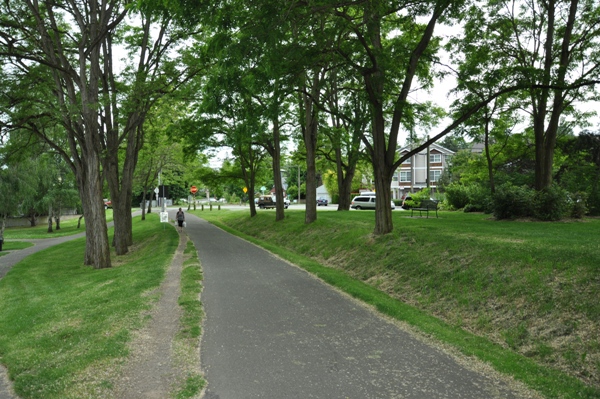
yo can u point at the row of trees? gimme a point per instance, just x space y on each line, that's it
335 77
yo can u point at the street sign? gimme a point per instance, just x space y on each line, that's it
164 217
245 189
156 190
194 190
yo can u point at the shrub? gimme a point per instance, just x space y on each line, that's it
457 195
510 202
418 197
578 207
480 199
471 198
593 201
551 203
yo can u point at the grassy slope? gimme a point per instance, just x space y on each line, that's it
530 287
64 327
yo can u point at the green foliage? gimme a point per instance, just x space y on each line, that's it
594 200
457 195
418 197
511 202
551 203
330 182
472 197
578 208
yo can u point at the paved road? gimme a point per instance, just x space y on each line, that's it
273 331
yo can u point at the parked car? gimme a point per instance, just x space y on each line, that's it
268 201
366 202
363 202
322 201
107 204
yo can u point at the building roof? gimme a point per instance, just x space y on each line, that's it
433 146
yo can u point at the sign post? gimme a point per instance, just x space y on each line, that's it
193 190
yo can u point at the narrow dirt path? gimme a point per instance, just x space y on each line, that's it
150 372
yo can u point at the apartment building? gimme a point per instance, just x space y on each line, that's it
412 175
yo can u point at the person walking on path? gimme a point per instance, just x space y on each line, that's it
180 219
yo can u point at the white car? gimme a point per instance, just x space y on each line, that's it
366 202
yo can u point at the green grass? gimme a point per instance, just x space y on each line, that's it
188 340
522 296
15 245
64 327
67 227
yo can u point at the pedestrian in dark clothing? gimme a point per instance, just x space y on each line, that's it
180 219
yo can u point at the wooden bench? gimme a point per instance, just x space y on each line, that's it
426 206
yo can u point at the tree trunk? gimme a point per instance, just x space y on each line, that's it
143 205
50 219
32 218
545 138
97 249
345 190
279 199
488 157
311 124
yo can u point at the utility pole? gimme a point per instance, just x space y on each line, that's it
428 165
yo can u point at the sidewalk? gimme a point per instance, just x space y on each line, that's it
274 331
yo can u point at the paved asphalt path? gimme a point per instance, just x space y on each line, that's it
273 331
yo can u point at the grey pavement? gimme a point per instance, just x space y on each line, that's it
274 331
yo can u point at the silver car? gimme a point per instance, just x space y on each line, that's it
366 202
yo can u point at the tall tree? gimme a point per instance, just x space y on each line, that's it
390 51
99 105
549 48
349 119
38 32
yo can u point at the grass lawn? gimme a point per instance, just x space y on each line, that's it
64 327
67 227
523 296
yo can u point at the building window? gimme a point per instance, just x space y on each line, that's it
434 175
406 176
435 158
